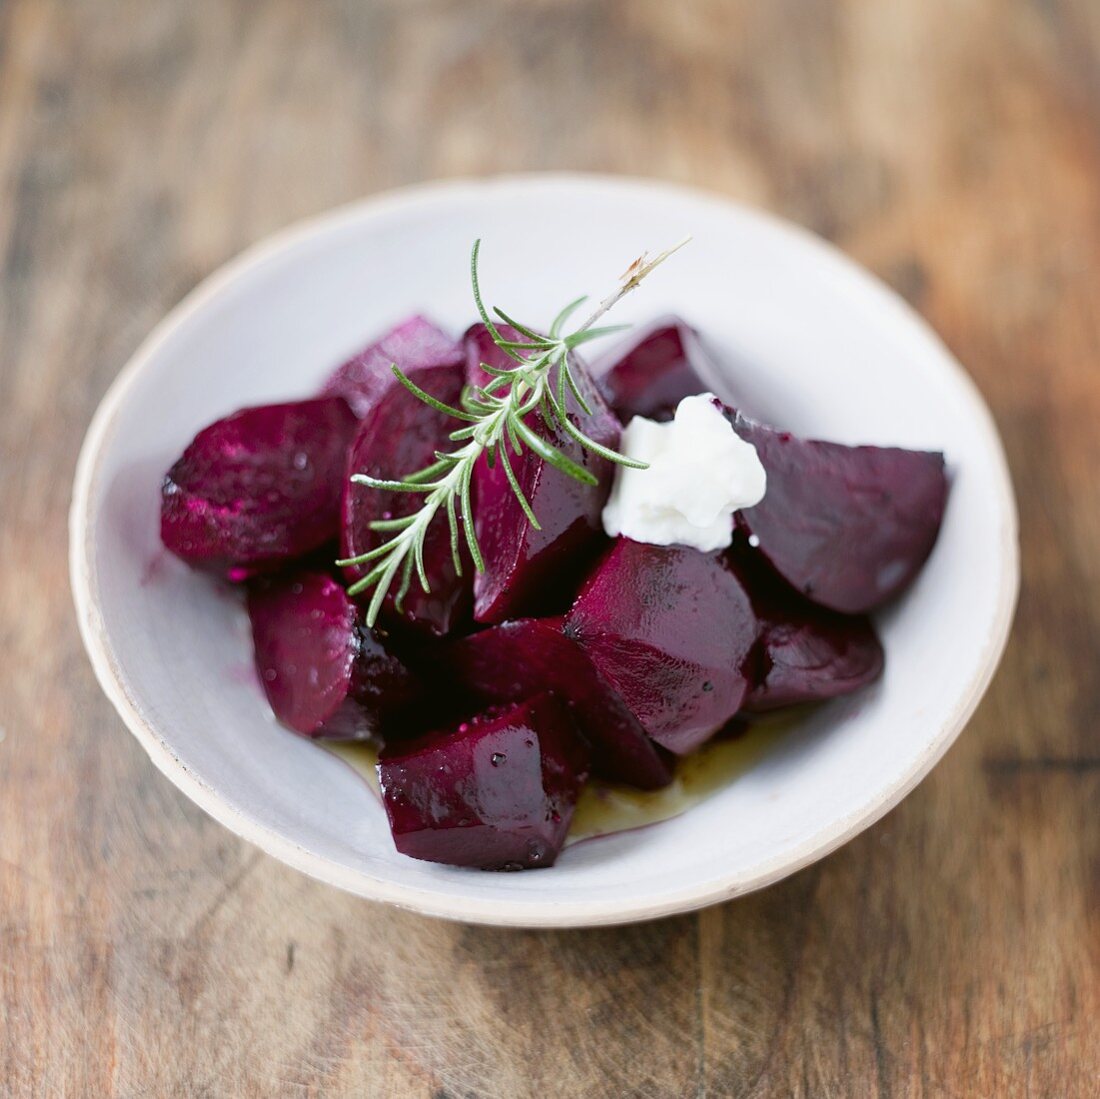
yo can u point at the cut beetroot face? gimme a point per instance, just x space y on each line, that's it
398 436
670 629
516 659
258 488
325 675
497 793
415 344
655 370
848 527
532 571
806 653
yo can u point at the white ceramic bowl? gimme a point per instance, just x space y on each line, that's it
823 348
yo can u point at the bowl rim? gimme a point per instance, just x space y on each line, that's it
549 914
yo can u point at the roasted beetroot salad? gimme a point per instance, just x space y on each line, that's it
495 693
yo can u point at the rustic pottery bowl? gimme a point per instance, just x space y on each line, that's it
823 348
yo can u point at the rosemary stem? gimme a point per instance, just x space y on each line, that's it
632 278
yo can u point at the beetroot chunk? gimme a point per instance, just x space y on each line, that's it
324 673
398 436
532 571
848 527
806 653
415 344
655 370
815 658
258 488
514 660
670 629
497 793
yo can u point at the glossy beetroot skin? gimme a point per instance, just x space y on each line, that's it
497 793
415 344
532 571
670 629
399 435
848 527
813 658
259 488
512 661
325 674
655 370
804 653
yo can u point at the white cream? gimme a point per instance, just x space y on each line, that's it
700 472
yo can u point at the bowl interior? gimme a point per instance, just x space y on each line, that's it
813 344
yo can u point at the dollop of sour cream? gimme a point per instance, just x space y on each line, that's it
700 472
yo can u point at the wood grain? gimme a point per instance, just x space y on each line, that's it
953 146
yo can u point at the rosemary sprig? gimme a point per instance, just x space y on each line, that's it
494 418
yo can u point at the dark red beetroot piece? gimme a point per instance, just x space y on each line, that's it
814 658
398 436
496 793
415 344
655 370
512 661
258 488
805 653
530 571
848 527
324 673
670 629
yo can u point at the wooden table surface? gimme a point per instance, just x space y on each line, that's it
952 146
